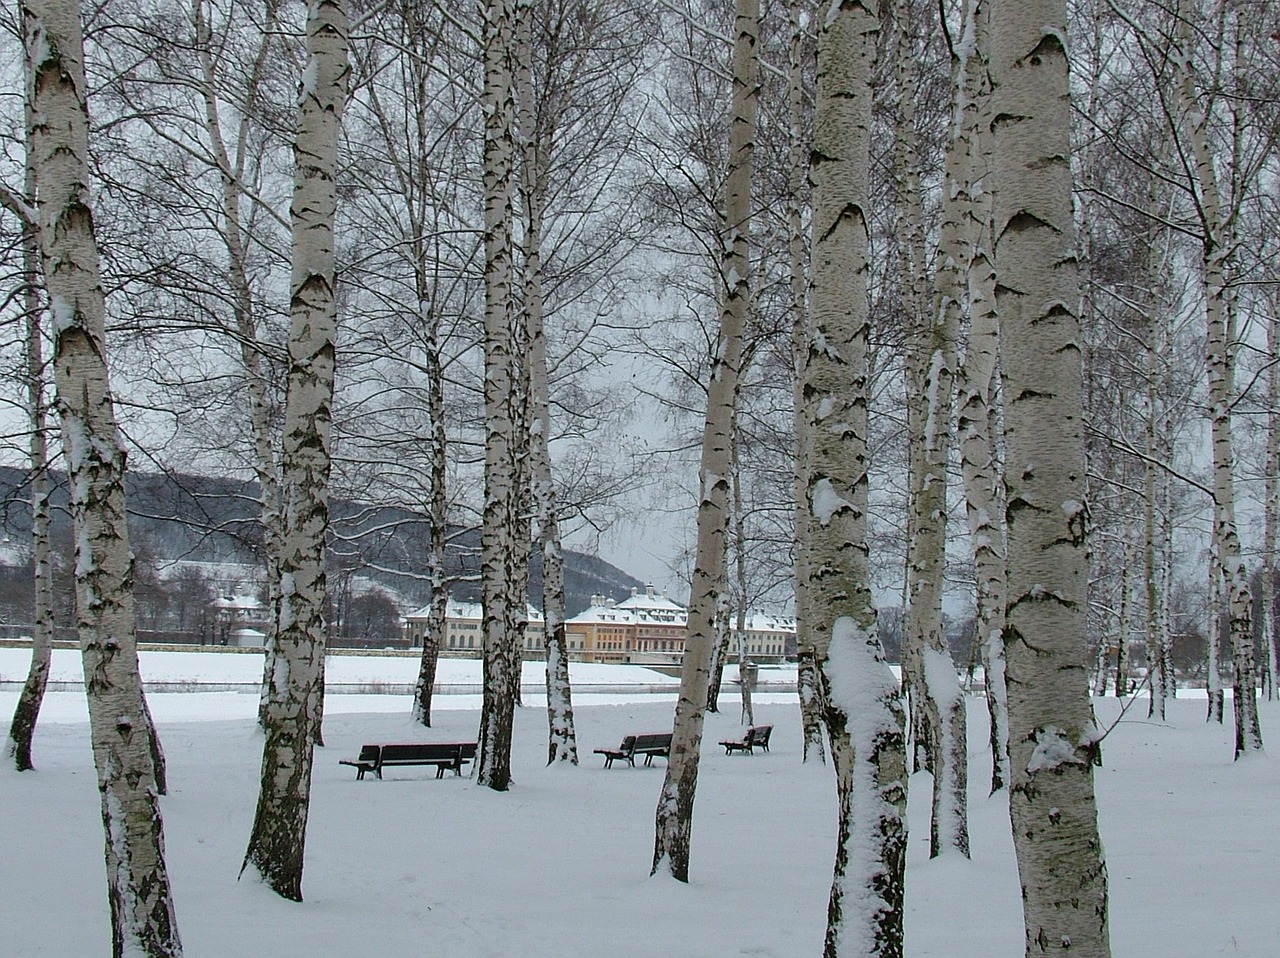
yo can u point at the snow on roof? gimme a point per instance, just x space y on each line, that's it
458 609
651 602
238 603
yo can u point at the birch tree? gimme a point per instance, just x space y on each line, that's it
807 684
232 165
143 920
1271 513
27 711
939 692
674 817
1220 362
278 836
499 528
1053 740
977 386
861 701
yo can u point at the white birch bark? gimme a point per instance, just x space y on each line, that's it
1213 629
561 737
942 697
27 711
977 387
807 684
916 310
1271 507
1159 448
143 921
746 668
498 526
278 836
861 700
1220 364
673 821
1052 735
1157 666
231 164
1124 617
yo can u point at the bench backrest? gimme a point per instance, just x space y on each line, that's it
427 752
760 734
369 753
654 741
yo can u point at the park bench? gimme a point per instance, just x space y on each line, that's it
443 755
757 737
648 745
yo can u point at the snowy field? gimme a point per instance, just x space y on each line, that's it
558 866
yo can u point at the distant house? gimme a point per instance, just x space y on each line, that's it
650 629
463 628
237 614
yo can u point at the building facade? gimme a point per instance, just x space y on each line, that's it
645 629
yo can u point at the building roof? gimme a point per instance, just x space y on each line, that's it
458 609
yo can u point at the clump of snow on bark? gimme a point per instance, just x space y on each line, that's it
307 88
709 482
288 589
819 344
862 686
940 674
833 10
944 687
1053 750
825 502
62 312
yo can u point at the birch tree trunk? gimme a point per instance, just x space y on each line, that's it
27 711
278 837
498 528
1124 622
674 817
1213 674
1271 508
861 700
562 745
942 697
423 217
1157 665
1052 735
746 669
914 283
1220 363
231 170
142 914
807 683
976 418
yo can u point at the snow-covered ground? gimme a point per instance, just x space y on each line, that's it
558 866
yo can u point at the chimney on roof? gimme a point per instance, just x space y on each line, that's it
649 589
633 592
